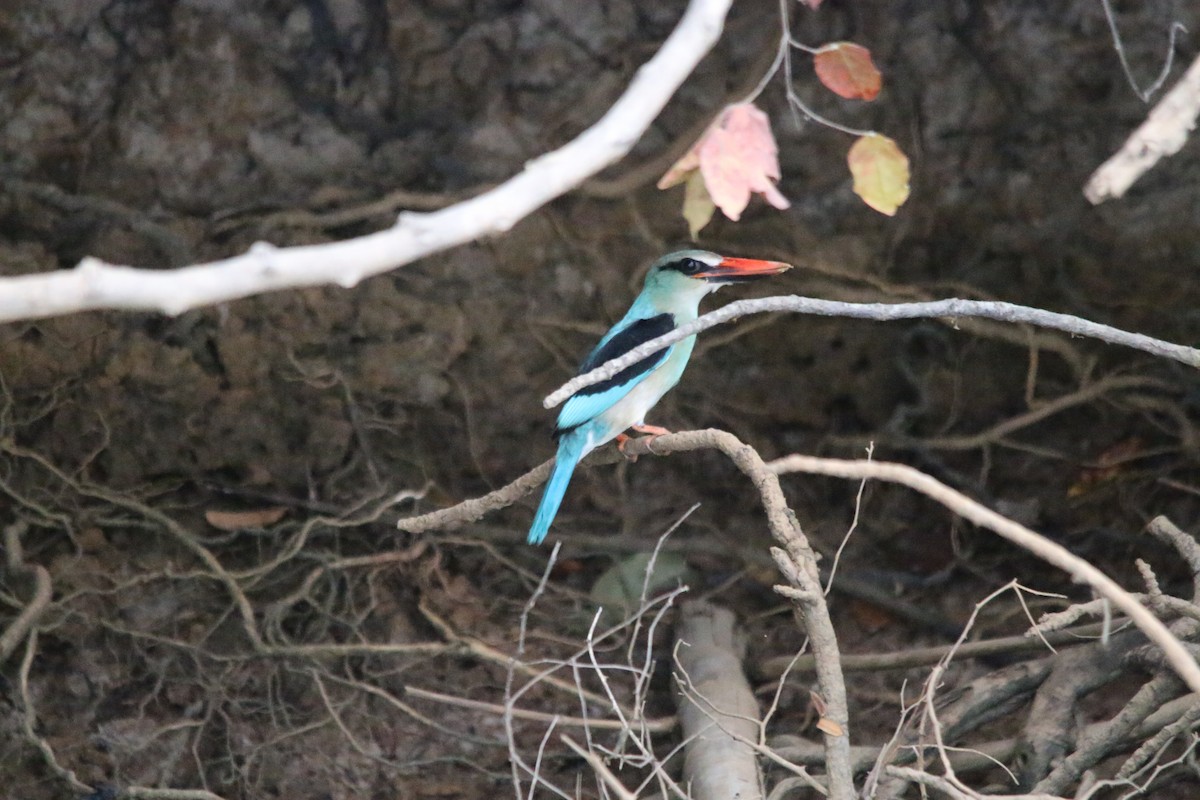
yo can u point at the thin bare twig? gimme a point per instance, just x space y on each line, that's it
1143 94
517 763
956 790
600 768
925 656
152 793
655 725
29 719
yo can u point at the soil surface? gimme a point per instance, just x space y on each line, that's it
197 489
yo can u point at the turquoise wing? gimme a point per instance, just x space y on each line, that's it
590 402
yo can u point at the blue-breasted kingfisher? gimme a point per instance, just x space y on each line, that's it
599 413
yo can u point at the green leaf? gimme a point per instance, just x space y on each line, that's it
620 587
698 205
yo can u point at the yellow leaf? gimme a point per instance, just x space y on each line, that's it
880 173
698 206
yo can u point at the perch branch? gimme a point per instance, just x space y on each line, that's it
954 307
475 508
795 558
94 284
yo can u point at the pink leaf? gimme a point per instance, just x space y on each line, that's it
738 157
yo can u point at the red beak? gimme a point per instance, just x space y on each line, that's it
734 270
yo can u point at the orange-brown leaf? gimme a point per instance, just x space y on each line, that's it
869 616
1109 465
826 725
847 70
880 173
240 520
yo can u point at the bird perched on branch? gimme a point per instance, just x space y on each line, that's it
602 412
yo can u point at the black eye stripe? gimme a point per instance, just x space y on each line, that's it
688 266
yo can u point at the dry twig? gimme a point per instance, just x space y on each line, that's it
1079 569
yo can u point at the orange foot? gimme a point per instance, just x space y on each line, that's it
652 432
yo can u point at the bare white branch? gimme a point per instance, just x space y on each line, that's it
954 307
717 708
1164 132
94 284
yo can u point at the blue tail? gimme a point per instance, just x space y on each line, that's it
570 450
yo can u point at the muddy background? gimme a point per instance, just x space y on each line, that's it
159 133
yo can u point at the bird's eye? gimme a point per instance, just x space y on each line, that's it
690 266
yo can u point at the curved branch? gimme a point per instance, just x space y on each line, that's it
93 284
954 307
43 590
1050 552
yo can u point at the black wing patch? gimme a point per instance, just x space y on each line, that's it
636 333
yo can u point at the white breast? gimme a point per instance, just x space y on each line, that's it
631 409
